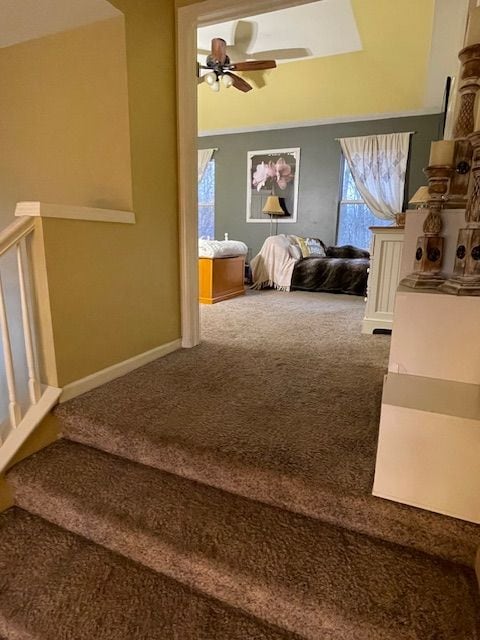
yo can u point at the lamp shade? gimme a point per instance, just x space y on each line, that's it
420 196
273 207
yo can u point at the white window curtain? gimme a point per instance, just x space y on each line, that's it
378 165
204 157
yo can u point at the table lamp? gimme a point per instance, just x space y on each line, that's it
420 197
273 208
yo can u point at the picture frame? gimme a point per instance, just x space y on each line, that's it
273 172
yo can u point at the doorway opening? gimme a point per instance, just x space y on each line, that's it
323 215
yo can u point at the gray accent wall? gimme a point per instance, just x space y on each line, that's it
320 160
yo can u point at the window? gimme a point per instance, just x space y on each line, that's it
206 203
354 217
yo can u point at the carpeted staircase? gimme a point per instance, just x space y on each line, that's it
224 493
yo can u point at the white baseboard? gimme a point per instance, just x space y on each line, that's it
370 324
94 380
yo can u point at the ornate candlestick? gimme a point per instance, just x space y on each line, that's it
429 252
465 124
465 280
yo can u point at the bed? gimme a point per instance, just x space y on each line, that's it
290 263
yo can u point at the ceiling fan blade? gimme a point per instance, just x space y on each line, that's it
283 54
239 83
245 34
219 50
253 65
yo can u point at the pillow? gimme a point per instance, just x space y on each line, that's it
316 247
303 247
347 251
294 251
310 246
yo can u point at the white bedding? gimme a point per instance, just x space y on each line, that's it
221 248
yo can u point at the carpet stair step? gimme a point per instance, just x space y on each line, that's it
55 585
296 573
309 449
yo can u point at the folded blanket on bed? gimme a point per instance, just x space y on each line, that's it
221 248
273 266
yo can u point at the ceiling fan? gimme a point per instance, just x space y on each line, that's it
220 68
243 47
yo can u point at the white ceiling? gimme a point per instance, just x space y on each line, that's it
319 29
22 20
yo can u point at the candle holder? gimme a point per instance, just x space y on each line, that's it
465 280
465 124
429 251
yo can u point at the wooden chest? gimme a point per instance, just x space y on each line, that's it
220 278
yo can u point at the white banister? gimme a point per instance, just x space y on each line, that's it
13 407
33 378
14 232
28 399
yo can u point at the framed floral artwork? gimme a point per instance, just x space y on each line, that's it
273 172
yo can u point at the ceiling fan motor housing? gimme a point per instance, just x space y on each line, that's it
212 63
219 63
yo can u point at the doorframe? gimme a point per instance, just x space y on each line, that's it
188 19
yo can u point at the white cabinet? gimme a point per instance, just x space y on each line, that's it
383 278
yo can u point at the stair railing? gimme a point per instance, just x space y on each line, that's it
23 414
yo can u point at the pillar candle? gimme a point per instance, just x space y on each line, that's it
473 29
442 152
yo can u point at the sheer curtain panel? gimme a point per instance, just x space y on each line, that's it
378 165
204 157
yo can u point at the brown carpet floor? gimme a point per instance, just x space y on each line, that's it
280 403
237 504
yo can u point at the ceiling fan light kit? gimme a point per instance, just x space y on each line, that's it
220 68
210 78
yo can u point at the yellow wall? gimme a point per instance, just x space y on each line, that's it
64 120
387 76
114 289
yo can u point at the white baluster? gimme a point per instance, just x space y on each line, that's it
13 407
34 388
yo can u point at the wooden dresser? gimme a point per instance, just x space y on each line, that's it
220 278
383 278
